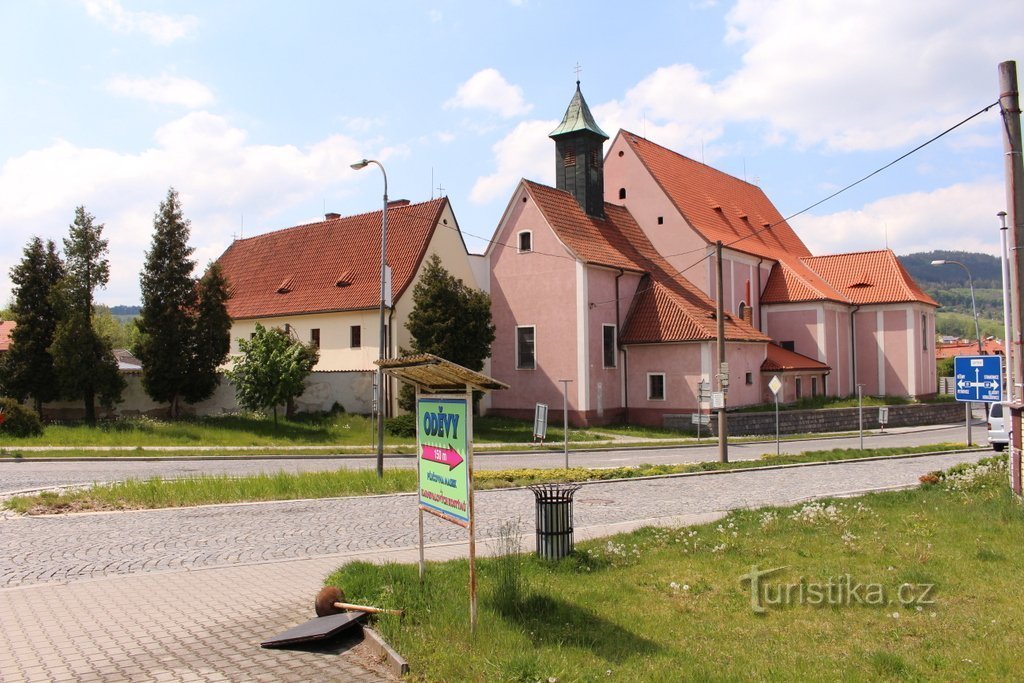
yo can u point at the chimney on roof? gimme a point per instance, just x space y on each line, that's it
398 202
330 216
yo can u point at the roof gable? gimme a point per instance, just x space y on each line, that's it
717 205
779 359
330 265
667 306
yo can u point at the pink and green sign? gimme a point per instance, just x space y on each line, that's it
443 445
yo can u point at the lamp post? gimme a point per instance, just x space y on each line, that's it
974 307
383 348
1007 324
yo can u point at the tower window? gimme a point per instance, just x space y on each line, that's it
569 158
595 158
525 241
622 193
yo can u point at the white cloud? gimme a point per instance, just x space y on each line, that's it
487 89
523 153
219 172
869 74
162 28
963 215
163 89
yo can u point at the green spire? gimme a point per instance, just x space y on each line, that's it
578 118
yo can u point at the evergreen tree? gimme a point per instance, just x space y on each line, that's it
449 319
82 358
210 340
27 368
168 307
271 370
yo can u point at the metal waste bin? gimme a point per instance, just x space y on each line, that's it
554 519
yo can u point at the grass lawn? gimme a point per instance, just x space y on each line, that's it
910 585
156 492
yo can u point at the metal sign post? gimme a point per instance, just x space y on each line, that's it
565 419
775 385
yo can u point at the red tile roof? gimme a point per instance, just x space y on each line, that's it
787 284
783 360
6 326
305 269
668 307
869 277
718 205
990 347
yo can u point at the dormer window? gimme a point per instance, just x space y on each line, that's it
285 286
344 280
525 241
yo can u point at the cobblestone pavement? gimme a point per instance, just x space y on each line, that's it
34 473
187 594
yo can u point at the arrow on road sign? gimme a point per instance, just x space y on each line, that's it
444 456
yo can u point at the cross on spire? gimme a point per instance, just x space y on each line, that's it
578 70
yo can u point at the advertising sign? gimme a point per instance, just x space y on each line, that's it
978 378
443 451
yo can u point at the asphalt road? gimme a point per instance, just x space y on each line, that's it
36 473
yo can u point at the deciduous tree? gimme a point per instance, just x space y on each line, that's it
271 370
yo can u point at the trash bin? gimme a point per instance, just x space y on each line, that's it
554 519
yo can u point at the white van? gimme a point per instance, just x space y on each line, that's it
998 436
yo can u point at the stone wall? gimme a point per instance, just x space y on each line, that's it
351 390
826 420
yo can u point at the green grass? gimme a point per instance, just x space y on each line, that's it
668 604
156 492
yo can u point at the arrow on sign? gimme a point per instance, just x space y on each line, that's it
444 456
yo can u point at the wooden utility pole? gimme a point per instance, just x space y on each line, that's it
723 382
1009 105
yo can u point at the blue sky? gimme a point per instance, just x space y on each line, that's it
254 110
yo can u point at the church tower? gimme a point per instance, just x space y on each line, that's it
579 158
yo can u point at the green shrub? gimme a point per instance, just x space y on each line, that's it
401 425
17 420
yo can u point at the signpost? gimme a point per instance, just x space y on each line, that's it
703 396
977 379
444 444
775 385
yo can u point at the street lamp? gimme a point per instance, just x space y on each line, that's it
974 307
1007 324
359 165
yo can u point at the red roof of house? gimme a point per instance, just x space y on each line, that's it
331 265
990 347
6 326
783 360
667 307
869 277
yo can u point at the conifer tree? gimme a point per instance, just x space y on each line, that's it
82 359
449 319
27 368
166 321
211 335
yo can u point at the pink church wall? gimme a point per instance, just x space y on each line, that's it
605 383
866 348
681 365
897 370
674 238
532 289
796 325
744 359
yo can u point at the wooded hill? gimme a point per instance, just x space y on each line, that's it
948 285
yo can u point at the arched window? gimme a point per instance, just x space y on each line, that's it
741 310
622 193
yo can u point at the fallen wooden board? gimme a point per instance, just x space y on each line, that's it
320 628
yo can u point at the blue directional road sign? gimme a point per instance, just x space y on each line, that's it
978 378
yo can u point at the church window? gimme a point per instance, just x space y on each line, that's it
622 193
525 241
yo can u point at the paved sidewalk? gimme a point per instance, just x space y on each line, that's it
188 594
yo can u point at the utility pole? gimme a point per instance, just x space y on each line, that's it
1009 105
723 382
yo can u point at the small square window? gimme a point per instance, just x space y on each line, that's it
749 377
661 220
355 333
525 241
656 386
